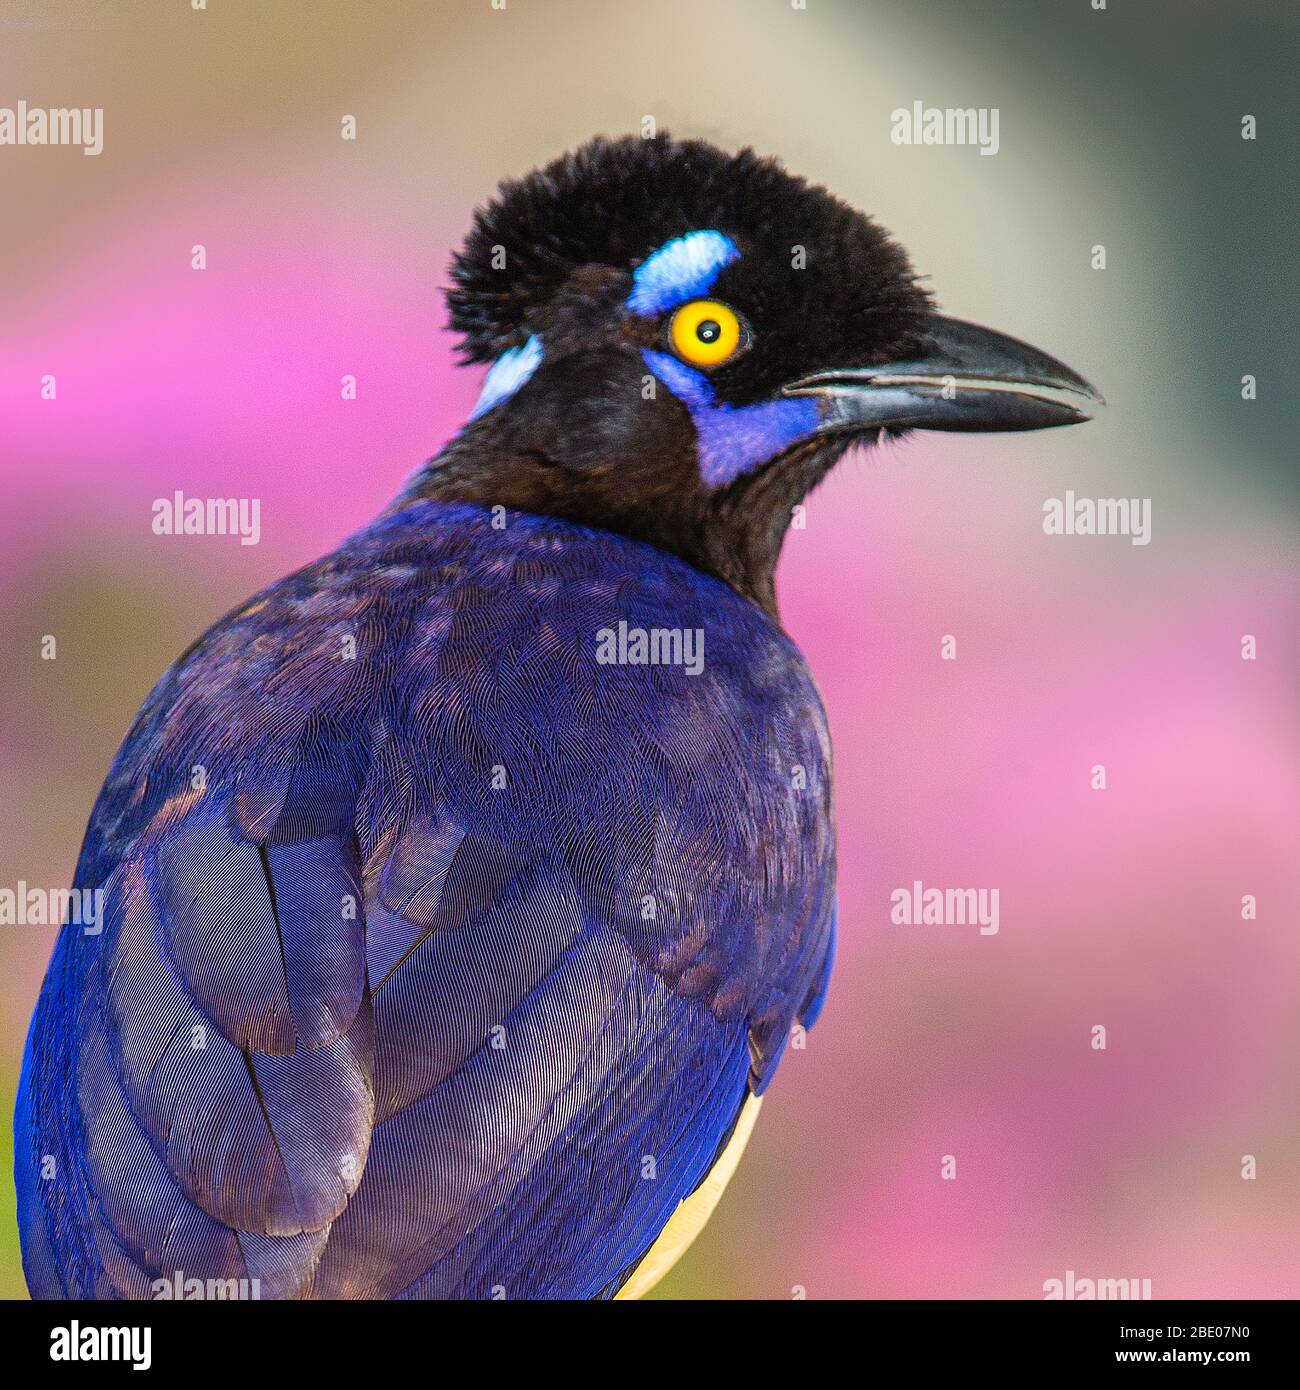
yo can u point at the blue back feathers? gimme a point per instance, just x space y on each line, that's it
454 935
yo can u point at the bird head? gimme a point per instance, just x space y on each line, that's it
682 342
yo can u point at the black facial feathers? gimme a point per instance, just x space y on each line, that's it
819 282
554 254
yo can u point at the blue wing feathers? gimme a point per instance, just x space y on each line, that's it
452 970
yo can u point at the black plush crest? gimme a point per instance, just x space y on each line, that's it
612 202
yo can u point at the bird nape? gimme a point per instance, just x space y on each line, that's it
461 890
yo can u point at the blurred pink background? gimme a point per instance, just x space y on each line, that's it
1119 907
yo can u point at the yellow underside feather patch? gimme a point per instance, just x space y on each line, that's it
691 1215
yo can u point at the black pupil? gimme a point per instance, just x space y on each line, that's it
709 331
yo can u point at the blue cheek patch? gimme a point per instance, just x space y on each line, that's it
507 374
682 269
733 439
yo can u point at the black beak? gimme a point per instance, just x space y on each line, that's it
963 378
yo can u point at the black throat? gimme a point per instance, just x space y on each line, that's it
734 533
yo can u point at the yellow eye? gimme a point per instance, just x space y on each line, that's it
705 332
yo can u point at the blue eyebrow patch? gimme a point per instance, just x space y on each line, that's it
681 269
507 374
